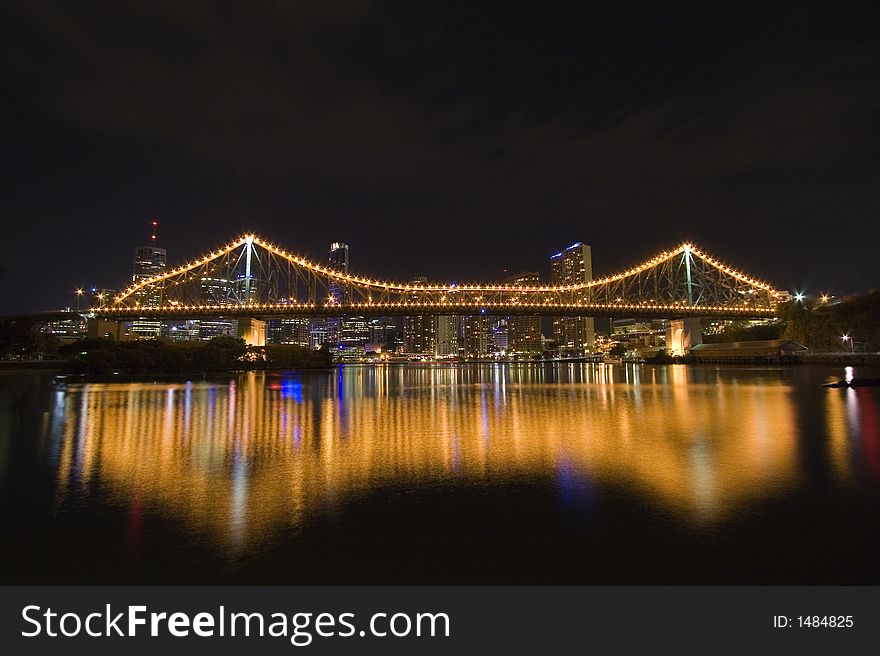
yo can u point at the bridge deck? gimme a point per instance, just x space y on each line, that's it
271 311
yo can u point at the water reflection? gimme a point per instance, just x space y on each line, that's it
236 460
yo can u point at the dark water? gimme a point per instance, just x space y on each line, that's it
448 474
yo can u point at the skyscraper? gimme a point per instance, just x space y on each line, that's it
338 261
290 330
419 332
524 332
385 333
347 335
499 332
573 266
216 291
149 261
448 336
475 336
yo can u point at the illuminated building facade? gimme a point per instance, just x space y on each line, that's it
500 333
294 331
524 333
216 291
385 333
475 336
149 261
573 266
337 260
354 334
448 340
317 333
419 332
101 297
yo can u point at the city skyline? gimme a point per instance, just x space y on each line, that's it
144 267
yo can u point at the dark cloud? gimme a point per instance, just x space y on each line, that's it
448 139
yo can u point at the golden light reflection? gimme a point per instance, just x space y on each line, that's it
240 459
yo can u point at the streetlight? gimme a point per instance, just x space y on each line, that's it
79 293
799 297
852 345
825 298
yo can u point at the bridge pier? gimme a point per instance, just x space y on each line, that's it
682 334
252 331
97 327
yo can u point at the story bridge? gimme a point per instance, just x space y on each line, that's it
252 280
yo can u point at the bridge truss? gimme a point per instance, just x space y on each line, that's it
252 277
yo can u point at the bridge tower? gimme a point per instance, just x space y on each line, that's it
682 335
252 331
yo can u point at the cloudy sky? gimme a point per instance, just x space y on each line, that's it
454 140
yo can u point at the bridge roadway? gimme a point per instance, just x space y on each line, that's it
286 310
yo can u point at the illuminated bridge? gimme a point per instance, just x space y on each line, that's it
252 279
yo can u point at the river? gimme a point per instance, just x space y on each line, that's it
491 473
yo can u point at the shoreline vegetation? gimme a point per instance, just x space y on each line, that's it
105 356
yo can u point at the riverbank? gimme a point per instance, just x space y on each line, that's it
9 366
298 360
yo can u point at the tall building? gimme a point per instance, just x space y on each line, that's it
499 331
419 332
384 332
448 336
149 261
102 297
475 340
216 291
523 332
338 261
292 330
354 334
317 333
573 266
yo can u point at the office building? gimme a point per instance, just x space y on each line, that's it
216 291
419 332
294 331
149 261
499 333
573 266
475 336
337 260
447 342
524 332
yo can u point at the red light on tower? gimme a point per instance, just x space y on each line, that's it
155 228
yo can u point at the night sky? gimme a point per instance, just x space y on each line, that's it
453 140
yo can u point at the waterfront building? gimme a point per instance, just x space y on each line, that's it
385 333
188 330
524 332
317 333
337 260
419 332
149 261
353 336
448 336
573 266
293 330
216 291
475 336
66 330
499 333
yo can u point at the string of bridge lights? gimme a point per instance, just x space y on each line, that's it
424 305
387 286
